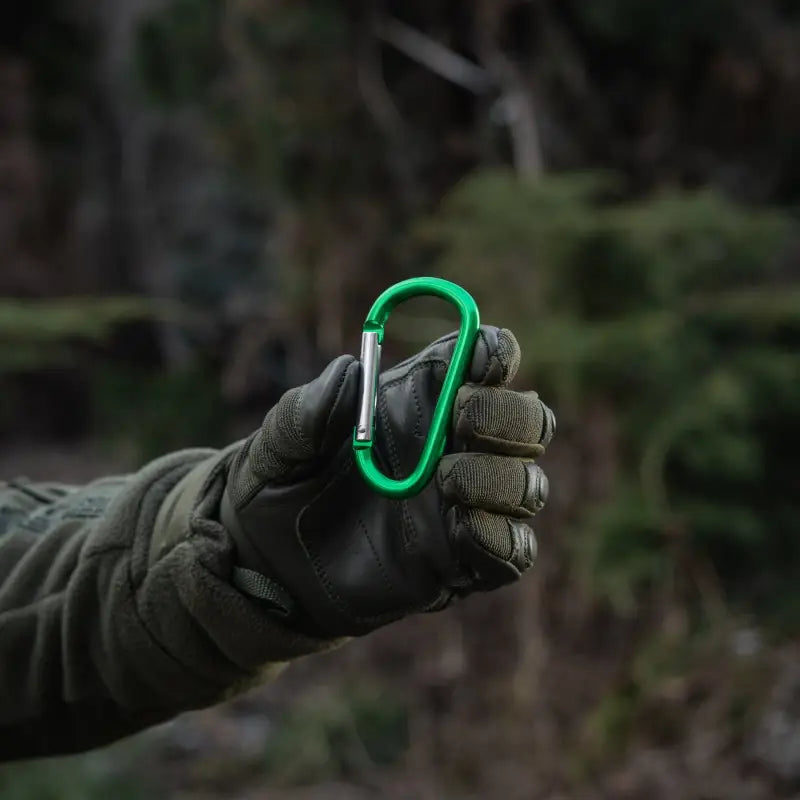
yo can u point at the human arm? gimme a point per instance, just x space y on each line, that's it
127 601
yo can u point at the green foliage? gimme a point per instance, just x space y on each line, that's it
607 730
338 736
665 29
672 312
37 333
96 776
230 61
623 550
179 51
677 672
148 414
56 319
273 91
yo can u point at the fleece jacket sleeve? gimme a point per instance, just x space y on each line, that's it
117 610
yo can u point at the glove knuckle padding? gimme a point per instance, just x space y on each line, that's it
500 484
495 419
495 549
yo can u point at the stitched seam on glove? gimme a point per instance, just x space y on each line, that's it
383 405
378 561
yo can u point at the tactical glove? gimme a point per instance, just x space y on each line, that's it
334 558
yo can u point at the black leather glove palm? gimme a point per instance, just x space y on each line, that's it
338 559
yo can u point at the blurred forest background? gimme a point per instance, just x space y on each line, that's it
200 199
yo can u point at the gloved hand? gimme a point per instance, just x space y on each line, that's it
323 549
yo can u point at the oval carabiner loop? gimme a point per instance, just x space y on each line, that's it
371 340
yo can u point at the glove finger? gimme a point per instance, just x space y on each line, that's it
501 485
495 358
328 406
496 420
492 550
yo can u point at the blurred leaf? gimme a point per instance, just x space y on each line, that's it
37 333
51 320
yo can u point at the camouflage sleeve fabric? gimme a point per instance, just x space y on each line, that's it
116 608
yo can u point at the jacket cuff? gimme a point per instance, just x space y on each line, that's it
192 548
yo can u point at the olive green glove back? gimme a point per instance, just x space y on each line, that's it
337 559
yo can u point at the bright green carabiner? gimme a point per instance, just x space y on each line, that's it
371 340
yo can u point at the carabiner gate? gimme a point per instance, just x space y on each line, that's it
371 340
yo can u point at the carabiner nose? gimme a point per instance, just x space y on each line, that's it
371 340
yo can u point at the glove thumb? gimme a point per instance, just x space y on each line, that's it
324 414
306 426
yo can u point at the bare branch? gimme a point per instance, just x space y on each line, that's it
435 56
374 93
524 131
517 102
